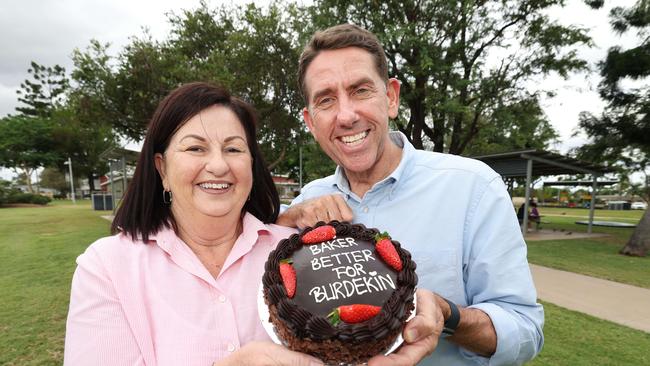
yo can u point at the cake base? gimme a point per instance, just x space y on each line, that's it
334 351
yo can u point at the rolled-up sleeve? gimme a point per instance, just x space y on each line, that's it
97 331
498 278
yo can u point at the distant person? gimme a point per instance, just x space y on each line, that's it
452 213
177 283
533 215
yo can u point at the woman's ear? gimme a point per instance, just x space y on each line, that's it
159 161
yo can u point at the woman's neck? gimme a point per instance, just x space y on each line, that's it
210 238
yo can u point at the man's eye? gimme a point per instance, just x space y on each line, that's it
325 102
362 91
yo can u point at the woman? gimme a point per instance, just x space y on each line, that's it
177 284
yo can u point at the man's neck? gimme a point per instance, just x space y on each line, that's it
361 182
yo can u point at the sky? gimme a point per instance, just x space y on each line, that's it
47 31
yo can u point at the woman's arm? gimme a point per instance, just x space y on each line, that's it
97 332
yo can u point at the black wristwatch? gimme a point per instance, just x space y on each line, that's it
454 318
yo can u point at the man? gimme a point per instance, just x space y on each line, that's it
452 213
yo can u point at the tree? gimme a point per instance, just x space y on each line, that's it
461 62
45 92
620 136
251 51
26 144
55 179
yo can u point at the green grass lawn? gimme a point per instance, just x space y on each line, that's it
38 247
596 257
576 339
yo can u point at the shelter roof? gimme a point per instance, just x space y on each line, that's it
513 164
116 153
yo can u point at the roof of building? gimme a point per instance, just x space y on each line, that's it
514 164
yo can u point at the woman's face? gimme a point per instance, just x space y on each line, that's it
207 165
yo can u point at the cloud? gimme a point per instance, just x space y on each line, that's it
47 31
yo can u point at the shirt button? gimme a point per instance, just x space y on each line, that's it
231 347
222 298
365 209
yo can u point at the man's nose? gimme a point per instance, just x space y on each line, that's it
347 114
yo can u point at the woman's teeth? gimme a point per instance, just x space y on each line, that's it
214 185
354 139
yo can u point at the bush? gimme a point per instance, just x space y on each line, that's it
20 197
40 200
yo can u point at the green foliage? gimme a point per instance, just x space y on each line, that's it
26 143
251 51
621 134
20 197
55 179
45 92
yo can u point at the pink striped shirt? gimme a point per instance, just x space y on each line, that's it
156 304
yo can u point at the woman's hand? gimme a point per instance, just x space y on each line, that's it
268 354
420 334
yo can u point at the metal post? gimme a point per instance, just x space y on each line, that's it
69 164
593 203
300 163
529 178
124 179
110 168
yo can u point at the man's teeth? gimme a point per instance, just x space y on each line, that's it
350 140
214 185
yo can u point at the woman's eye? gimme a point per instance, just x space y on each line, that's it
234 150
194 149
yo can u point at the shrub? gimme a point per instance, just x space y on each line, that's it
21 197
40 200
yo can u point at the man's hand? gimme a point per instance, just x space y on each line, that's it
268 354
308 213
420 334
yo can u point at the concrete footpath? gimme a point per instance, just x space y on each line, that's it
620 303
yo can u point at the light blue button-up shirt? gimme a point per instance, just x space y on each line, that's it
455 217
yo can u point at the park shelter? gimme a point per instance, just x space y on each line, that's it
537 163
118 159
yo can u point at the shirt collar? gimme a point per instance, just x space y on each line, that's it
399 139
252 228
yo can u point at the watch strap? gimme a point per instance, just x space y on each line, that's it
451 323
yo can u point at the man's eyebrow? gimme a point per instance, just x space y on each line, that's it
321 92
358 83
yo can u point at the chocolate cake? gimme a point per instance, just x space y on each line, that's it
338 291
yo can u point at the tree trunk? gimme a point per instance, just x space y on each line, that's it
91 182
277 161
639 243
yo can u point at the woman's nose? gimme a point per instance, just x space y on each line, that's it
216 164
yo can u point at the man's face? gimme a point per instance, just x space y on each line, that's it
349 107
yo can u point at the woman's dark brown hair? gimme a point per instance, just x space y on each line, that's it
142 212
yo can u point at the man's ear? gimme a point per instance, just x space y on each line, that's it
309 121
159 161
392 92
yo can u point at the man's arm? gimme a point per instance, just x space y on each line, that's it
498 281
475 331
